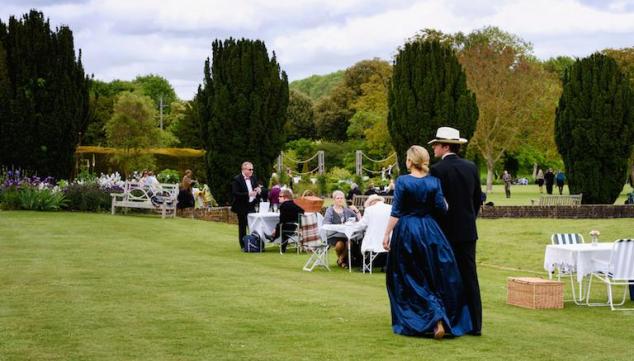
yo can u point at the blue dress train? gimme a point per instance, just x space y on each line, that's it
423 281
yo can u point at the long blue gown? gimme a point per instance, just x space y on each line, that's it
423 281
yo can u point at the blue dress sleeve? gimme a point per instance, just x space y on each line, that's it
399 190
439 196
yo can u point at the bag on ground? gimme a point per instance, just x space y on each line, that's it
253 243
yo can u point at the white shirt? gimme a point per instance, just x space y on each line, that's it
249 187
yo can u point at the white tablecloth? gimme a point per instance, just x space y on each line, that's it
263 223
347 230
576 257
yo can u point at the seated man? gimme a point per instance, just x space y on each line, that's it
376 215
289 216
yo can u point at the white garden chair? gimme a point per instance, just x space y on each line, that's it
618 271
376 218
563 239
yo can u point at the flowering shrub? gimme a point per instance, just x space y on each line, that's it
19 191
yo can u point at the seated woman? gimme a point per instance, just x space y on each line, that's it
376 215
185 195
339 214
289 217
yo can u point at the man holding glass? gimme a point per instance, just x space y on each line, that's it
244 194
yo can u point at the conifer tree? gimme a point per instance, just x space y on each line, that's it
242 105
428 91
594 128
46 107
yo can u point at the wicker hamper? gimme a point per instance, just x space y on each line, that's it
532 292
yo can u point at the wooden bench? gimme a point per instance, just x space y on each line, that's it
359 201
160 197
552 200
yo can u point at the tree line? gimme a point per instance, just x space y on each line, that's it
486 83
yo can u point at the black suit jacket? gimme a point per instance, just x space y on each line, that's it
240 194
461 185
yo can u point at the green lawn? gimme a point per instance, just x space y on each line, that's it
522 195
77 286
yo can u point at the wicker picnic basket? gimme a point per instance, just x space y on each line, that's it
535 293
309 203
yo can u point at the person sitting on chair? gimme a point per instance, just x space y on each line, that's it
339 214
289 216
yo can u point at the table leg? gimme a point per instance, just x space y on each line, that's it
349 255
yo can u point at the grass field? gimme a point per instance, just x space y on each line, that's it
78 286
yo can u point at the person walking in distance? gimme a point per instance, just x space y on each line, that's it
549 179
506 177
460 182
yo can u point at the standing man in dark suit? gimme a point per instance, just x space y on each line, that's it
244 194
460 182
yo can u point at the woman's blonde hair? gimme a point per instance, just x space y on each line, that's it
419 158
338 192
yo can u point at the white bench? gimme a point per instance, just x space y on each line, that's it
136 196
568 200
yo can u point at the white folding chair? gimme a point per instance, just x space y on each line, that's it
312 243
563 239
619 271
376 217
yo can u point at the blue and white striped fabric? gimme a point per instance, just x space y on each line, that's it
566 238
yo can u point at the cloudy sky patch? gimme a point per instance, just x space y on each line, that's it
121 39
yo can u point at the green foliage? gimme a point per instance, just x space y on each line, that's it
300 116
132 130
332 116
43 96
559 65
168 176
242 107
28 197
428 90
87 197
317 86
594 128
157 88
184 124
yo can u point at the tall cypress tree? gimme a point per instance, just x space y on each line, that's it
594 128
47 99
428 90
242 105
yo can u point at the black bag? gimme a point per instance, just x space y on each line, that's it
253 243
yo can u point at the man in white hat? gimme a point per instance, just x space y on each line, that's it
460 182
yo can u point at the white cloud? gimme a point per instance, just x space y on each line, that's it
124 38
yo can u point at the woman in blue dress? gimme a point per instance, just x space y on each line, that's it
423 281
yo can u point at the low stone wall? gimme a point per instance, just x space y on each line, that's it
216 214
224 214
582 211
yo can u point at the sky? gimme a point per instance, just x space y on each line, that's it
121 39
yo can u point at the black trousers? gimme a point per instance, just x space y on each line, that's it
242 227
465 258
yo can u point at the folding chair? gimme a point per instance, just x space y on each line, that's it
290 236
312 243
619 271
563 239
376 218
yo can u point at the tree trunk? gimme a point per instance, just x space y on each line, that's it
490 168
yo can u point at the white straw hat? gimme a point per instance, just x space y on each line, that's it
448 135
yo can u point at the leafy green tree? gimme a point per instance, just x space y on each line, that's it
317 86
242 107
45 97
428 90
595 128
132 130
185 124
158 89
558 65
332 116
300 116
